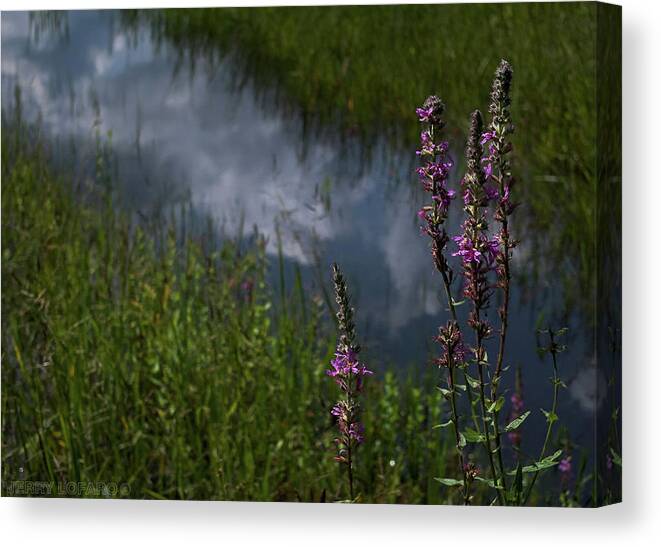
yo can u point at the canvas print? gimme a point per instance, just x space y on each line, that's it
354 254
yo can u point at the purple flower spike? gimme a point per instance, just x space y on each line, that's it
349 374
434 173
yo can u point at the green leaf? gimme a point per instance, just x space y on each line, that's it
496 405
550 416
489 482
514 424
617 460
445 392
449 482
462 440
544 463
444 424
472 382
473 436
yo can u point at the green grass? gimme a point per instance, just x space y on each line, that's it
133 354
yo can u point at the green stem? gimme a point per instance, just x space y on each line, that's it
551 420
455 423
503 318
453 312
478 356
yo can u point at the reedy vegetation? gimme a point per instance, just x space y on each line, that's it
143 353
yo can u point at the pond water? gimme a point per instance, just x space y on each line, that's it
240 158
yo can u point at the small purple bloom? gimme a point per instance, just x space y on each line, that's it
565 465
346 364
517 402
491 191
487 136
466 250
356 431
423 114
492 248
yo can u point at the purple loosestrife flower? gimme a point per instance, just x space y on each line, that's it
431 111
450 339
478 254
349 374
565 465
477 250
500 169
565 468
486 137
346 368
471 471
433 176
498 173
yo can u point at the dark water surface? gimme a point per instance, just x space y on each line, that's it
197 135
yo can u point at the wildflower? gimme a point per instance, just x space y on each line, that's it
565 468
431 110
517 402
477 250
471 471
349 374
433 176
345 368
454 352
491 191
428 147
498 172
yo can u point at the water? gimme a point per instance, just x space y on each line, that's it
181 134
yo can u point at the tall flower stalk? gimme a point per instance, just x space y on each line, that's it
498 170
478 253
349 374
433 175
